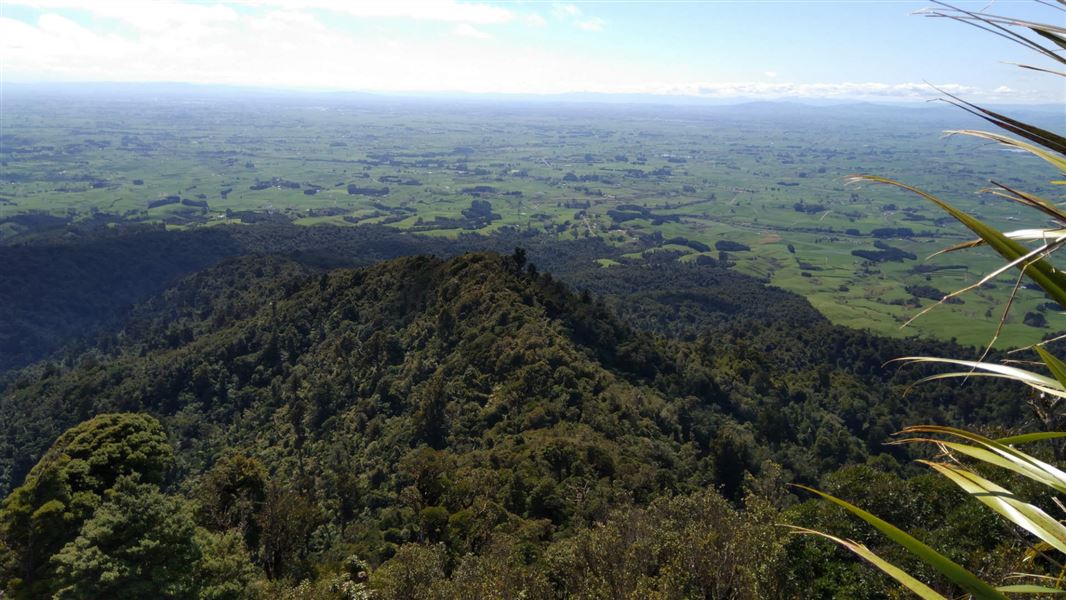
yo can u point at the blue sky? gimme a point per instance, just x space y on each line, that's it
851 50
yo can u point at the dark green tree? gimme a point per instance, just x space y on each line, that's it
225 570
415 573
519 258
231 496
431 419
67 485
286 523
138 544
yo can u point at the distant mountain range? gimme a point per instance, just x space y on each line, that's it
189 91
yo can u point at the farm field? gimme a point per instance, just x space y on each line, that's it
760 185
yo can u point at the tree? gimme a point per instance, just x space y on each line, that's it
138 544
66 487
431 419
433 523
414 573
731 452
231 496
519 258
286 522
501 570
694 546
225 570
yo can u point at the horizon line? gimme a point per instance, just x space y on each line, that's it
605 97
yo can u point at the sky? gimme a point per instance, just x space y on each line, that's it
840 50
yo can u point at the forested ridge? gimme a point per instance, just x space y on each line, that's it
448 425
68 285
75 281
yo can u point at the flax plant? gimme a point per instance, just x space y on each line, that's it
1027 252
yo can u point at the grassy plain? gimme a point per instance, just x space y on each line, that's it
767 176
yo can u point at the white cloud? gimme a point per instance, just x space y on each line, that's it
535 20
565 11
593 24
842 90
426 10
573 14
467 30
148 16
283 22
156 14
55 44
284 46
771 74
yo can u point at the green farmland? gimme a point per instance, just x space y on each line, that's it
760 185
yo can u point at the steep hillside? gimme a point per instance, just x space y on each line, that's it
470 354
63 288
461 354
456 400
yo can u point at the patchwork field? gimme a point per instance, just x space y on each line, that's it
760 185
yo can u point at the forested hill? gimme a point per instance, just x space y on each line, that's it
453 354
479 354
57 286
61 286
425 399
